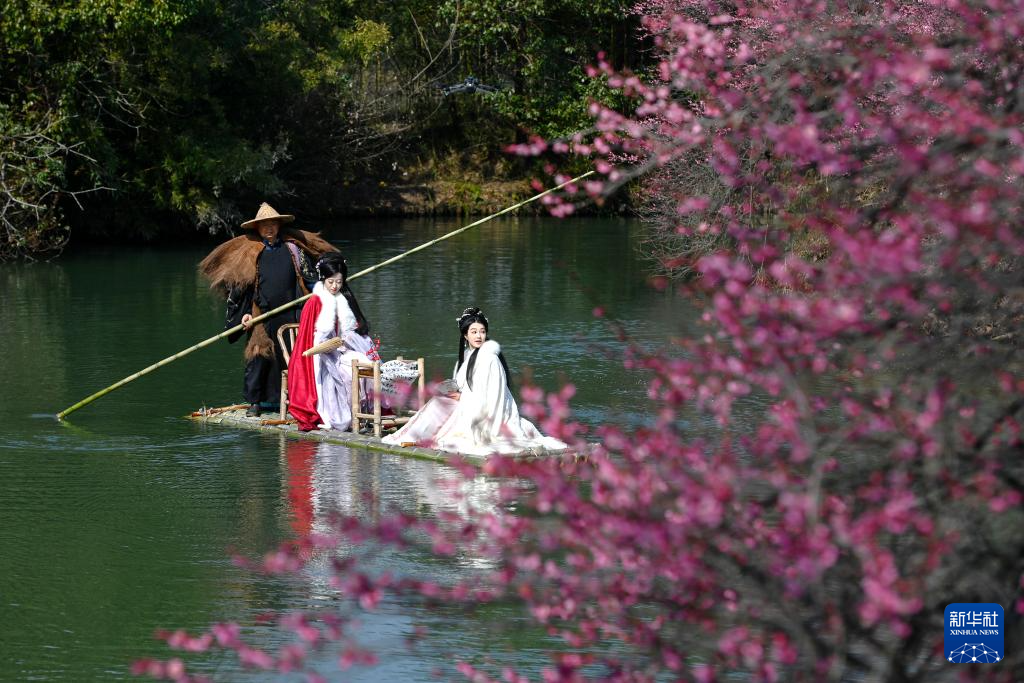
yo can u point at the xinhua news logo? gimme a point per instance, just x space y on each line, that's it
974 633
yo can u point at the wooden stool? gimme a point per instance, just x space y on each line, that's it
363 370
286 335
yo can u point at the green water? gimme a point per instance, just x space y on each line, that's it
121 520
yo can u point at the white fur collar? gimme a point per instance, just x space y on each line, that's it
334 309
489 346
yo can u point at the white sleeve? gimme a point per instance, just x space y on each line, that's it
490 405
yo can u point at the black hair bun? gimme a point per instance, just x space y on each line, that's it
471 312
332 257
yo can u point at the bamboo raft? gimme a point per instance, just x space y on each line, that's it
234 416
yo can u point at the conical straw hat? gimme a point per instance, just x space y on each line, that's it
266 213
324 347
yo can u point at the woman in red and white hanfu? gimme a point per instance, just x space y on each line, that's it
320 386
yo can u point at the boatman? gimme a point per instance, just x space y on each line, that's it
266 267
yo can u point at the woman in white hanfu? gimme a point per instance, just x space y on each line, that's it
480 417
320 387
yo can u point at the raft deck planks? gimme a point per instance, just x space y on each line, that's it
238 418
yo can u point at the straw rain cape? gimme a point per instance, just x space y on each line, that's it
232 267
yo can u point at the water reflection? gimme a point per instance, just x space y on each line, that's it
297 461
319 479
322 479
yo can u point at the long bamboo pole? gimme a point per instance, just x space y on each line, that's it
170 359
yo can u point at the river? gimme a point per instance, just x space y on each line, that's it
122 519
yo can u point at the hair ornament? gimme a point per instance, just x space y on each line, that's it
329 257
470 312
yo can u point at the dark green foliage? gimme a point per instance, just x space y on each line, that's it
538 50
129 120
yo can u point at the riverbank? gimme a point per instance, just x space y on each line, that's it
443 197
374 198
430 198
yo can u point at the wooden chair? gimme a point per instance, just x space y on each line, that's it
371 371
286 335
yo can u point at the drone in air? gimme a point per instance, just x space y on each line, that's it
469 86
